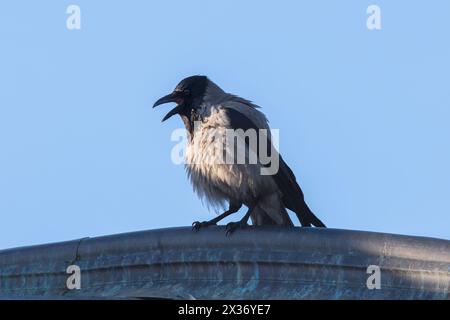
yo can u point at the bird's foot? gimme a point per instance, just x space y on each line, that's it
233 226
197 225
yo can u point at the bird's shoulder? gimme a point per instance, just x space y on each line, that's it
242 113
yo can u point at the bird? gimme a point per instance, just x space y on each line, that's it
209 114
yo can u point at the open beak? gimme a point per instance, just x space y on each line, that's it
166 99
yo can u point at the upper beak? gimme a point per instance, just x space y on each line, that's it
166 99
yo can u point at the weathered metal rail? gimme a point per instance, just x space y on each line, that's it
255 263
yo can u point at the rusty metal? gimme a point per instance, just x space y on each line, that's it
255 263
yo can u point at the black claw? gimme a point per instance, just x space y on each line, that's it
196 225
233 226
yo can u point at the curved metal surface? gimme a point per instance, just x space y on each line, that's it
256 263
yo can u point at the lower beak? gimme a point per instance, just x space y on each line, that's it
167 99
172 112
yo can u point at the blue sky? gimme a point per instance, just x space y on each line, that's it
363 115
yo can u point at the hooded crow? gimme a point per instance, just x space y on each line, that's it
225 132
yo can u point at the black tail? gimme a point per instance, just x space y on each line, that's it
313 219
293 198
307 217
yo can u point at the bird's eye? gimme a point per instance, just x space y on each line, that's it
186 92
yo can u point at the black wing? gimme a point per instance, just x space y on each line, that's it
293 198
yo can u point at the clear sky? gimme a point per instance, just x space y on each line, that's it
363 115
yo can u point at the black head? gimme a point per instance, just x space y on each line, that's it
188 95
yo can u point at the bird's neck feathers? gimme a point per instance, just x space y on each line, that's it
212 97
213 94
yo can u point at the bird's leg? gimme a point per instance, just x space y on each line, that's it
232 209
233 226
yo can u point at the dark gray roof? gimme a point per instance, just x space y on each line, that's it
256 263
